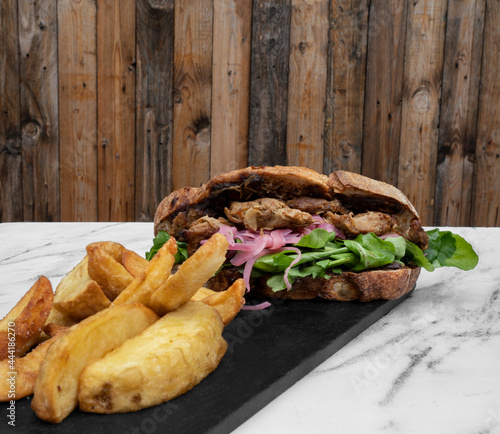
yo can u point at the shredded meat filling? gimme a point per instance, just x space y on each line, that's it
314 205
201 229
371 221
267 214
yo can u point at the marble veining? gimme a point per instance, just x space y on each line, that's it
432 365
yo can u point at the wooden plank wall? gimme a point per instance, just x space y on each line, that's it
108 105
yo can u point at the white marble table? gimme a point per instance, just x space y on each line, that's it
430 366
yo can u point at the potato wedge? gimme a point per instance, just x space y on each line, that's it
56 388
148 281
23 324
107 271
78 296
17 380
229 302
115 250
202 293
53 329
134 263
167 359
191 275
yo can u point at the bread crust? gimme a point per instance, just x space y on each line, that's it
384 284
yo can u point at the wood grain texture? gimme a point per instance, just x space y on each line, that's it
455 163
269 82
11 183
421 94
39 109
346 85
116 109
154 106
231 85
486 193
192 93
307 83
77 109
384 90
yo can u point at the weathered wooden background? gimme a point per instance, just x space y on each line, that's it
108 105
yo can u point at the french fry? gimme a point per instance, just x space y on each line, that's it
107 271
229 302
149 280
167 359
191 275
24 322
56 388
78 296
134 263
17 380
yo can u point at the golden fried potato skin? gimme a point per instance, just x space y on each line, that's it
28 316
25 371
229 302
157 272
56 388
134 263
107 271
167 359
78 296
191 275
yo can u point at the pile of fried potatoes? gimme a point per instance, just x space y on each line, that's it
120 333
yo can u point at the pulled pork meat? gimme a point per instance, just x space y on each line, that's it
315 205
200 230
377 222
267 214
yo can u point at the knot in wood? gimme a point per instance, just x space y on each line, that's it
31 129
177 96
302 47
421 100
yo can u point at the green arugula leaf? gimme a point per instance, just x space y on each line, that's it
160 239
447 249
416 255
373 252
316 239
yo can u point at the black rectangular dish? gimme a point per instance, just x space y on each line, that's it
269 350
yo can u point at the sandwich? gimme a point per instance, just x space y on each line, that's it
297 234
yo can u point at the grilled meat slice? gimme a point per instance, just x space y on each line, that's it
268 214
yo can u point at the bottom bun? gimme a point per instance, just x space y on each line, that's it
381 284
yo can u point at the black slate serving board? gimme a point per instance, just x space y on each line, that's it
268 351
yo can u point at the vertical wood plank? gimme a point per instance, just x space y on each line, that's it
154 74
230 85
486 193
458 113
77 109
307 83
11 186
421 94
116 109
269 82
39 109
346 84
384 89
192 92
